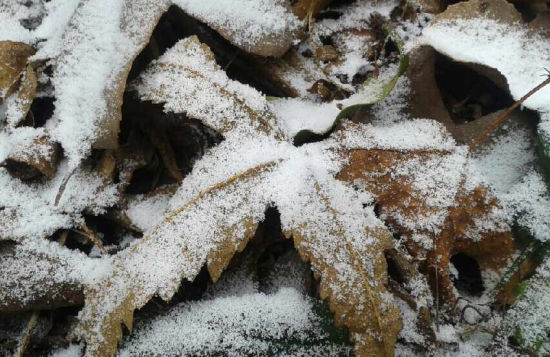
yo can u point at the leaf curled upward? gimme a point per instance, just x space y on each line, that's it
13 63
17 80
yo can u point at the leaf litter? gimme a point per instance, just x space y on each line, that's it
381 181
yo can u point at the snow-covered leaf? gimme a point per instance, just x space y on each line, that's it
218 206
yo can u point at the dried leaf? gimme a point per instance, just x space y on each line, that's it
32 154
13 63
307 9
19 103
129 24
352 277
234 197
456 220
232 107
34 279
498 10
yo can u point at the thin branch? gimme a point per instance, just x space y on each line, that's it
505 115
87 232
62 187
27 335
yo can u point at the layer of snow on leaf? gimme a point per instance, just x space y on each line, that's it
531 313
246 21
144 211
18 142
187 80
507 159
413 134
296 114
38 267
517 54
231 323
89 50
12 13
29 209
53 26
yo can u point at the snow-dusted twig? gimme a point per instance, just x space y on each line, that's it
505 115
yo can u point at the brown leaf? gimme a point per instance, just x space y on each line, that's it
309 8
32 287
357 300
401 203
38 155
499 10
13 63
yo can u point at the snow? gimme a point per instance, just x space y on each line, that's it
146 211
530 201
521 56
295 115
236 318
517 54
96 47
39 267
241 324
507 157
506 165
29 209
216 209
201 89
93 43
413 134
246 22
531 314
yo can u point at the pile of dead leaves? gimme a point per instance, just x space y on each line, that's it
172 159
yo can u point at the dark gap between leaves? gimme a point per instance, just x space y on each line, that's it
187 139
175 25
469 279
468 94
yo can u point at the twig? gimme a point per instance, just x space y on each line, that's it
505 115
463 315
62 187
27 335
436 297
232 59
87 232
